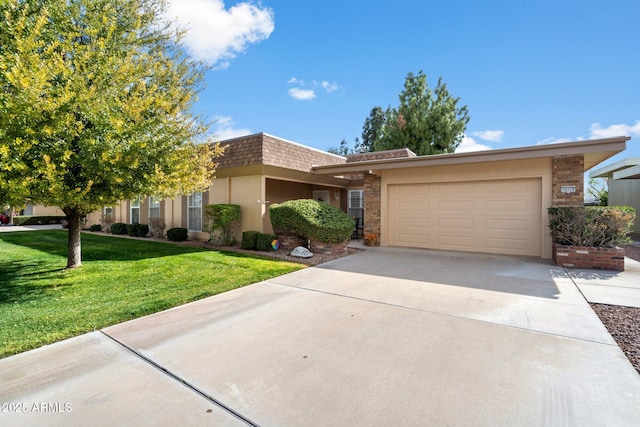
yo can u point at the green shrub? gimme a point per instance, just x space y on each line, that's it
222 219
37 220
119 228
596 226
95 227
137 230
264 240
312 219
132 229
177 234
249 240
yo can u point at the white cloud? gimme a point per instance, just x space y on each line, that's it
329 87
597 131
489 135
216 34
468 145
302 94
554 140
223 128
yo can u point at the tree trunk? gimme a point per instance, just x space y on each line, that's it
74 254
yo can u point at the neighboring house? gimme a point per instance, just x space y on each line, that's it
492 201
623 182
39 210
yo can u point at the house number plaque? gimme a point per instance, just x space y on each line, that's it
567 188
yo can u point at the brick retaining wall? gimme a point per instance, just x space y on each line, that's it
320 248
589 257
289 242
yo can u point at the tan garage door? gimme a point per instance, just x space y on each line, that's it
486 216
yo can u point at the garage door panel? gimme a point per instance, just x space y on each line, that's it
514 244
412 239
405 205
507 205
506 224
467 223
455 189
458 205
486 216
414 192
456 242
413 222
507 187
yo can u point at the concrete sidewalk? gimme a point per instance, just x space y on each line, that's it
610 287
10 228
387 336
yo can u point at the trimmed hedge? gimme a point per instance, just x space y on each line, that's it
264 240
249 240
37 219
119 228
95 227
177 234
312 219
595 226
137 230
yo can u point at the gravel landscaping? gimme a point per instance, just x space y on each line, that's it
623 323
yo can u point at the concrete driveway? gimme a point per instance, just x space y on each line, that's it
385 337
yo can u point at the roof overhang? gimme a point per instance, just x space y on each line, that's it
609 170
595 152
628 173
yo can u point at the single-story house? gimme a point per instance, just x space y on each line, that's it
623 183
488 201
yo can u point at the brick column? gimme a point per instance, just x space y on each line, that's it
568 171
372 205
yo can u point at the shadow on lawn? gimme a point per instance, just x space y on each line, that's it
97 247
13 286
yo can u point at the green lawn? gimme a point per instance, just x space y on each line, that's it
121 279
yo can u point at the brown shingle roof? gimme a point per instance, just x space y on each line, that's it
380 155
269 150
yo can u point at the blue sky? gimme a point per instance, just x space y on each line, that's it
530 72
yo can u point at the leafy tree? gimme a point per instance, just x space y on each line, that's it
372 129
344 149
95 107
598 190
426 121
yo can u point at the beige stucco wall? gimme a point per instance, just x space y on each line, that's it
40 210
249 193
626 192
516 169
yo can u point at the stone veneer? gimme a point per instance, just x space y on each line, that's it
290 242
372 206
320 248
589 257
568 170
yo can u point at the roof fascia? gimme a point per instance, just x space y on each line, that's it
608 145
609 170
628 173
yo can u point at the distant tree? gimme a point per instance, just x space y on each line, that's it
344 149
426 121
597 188
372 129
95 107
